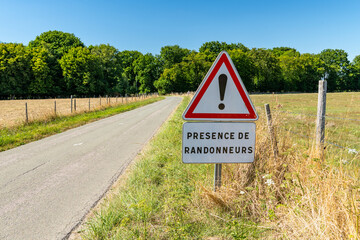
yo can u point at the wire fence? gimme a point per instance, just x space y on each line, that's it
16 112
350 150
314 115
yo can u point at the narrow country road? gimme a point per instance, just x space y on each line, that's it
48 186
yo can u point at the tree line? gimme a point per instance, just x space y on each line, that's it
59 64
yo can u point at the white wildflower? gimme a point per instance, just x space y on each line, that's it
344 161
269 182
242 192
266 176
352 151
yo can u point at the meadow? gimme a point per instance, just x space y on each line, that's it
294 195
297 113
12 112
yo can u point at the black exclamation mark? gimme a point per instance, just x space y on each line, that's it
222 87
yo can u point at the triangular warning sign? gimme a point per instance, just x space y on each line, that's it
222 95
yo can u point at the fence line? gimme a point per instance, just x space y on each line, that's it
350 150
13 112
331 143
314 115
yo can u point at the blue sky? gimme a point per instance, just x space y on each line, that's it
146 26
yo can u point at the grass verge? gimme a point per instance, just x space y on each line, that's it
292 196
162 198
16 136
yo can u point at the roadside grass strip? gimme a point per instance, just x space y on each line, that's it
162 198
292 196
25 133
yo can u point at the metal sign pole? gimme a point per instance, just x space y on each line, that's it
217 176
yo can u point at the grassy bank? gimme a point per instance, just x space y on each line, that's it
25 133
163 198
292 196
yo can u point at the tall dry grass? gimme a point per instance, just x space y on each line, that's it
12 112
296 196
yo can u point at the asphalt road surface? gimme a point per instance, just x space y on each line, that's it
48 186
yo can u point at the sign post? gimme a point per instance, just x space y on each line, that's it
223 131
217 176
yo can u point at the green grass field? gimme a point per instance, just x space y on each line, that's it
297 113
162 198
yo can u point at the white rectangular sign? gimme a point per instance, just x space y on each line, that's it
218 142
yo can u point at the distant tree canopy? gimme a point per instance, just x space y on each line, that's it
59 64
15 69
58 43
54 44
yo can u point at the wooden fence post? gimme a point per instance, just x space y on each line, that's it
26 114
271 131
320 119
75 104
71 103
55 107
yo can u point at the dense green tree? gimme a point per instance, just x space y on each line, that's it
15 71
356 61
245 66
41 83
171 55
213 48
355 74
172 80
57 44
110 65
195 67
82 72
336 65
122 87
301 73
184 76
287 51
58 63
147 69
268 76
216 47
128 76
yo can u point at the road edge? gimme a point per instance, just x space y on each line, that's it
117 180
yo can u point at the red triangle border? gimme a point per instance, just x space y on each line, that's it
231 116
